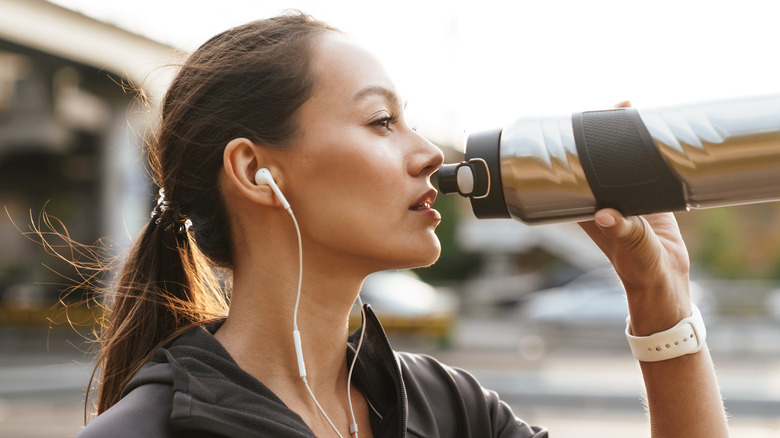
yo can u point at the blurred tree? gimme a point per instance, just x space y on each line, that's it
735 242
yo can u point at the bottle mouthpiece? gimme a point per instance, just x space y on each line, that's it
447 177
457 178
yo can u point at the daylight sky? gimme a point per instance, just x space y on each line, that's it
466 66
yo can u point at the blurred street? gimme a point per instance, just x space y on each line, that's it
575 392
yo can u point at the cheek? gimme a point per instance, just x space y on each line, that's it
354 168
355 190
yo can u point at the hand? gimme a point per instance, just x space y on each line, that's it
650 258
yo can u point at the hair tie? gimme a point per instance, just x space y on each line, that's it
167 215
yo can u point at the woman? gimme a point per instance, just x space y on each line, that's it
298 98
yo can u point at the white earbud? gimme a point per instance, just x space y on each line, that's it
263 176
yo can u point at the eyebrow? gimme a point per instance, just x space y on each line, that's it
379 90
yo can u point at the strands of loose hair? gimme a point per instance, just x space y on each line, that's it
120 305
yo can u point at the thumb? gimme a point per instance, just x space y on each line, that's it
614 225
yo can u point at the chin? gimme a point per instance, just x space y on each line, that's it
434 257
422 254
427 257
420 260
427 265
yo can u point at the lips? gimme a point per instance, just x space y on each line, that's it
421 206
425 201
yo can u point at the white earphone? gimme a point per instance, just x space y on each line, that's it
263 176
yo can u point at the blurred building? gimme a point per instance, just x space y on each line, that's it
70 135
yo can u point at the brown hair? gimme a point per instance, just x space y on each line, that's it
247 82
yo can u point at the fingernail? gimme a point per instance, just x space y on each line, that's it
605 220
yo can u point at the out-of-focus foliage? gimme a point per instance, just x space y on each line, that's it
735 242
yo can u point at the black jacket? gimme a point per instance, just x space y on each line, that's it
193 388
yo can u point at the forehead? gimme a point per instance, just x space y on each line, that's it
346 71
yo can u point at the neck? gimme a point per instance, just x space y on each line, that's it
259 326
258 332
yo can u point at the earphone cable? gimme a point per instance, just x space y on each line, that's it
300 269
297 338
353 428
311 393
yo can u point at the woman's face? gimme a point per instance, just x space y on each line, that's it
358 176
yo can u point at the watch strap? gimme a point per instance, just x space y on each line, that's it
687 337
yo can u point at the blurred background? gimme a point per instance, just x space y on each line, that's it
534 312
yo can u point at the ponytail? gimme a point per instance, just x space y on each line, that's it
166 286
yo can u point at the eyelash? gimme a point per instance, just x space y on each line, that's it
386 122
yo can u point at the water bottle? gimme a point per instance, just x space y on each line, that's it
638 161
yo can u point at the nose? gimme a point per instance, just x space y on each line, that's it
427 157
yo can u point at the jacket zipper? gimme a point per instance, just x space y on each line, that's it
396 370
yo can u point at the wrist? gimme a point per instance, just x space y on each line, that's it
659 308
657 318
686 337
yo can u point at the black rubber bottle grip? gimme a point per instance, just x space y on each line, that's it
485 147
623 167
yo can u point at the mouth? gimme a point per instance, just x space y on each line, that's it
425 202
421 206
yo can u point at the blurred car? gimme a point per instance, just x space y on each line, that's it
407 306
588 312
772 304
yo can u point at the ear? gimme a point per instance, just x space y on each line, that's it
241 160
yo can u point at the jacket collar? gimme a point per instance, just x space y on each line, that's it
210 392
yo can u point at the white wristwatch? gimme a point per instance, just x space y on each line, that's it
687 337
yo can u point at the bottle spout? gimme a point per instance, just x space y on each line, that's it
452 178
459 178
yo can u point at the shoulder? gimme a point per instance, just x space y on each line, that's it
144 411
446 401
428 374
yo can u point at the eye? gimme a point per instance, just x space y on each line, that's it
386 123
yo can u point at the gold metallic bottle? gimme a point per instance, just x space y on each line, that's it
638 161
